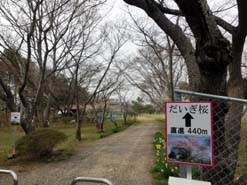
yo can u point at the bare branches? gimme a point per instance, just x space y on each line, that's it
49 36
153 68
224 24
222 9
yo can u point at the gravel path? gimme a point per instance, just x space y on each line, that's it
124 158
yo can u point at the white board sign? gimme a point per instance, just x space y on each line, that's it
189 137
181 181
15 118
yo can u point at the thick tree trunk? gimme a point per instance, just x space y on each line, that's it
219 174
213 59
213 55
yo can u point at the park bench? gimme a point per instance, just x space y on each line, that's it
74 182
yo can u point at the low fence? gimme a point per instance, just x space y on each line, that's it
229 127
76 181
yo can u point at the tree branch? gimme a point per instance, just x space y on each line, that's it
228 27
182 42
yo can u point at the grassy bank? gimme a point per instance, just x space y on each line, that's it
88 131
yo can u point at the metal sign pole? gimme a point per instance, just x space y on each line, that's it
14 140
15 118
184 171
188 172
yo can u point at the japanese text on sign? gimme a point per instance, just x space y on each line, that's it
193 109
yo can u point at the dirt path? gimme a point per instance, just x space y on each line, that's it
124 158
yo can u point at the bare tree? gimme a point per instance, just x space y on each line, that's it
109 87
123 96
39 29
157 67
106 55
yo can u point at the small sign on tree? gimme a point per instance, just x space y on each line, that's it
189 133
15 118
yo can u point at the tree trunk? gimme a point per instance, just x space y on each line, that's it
46 112
78 119
103 117
6 115
213 55
78 130
170 54
26 123
30 110
125 117
213 69
76 94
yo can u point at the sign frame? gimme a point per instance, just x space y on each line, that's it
16 122
211 133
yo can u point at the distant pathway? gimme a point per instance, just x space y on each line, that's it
124 158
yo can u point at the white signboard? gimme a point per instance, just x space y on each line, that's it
189 133
15 118
181 181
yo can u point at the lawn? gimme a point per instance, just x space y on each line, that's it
88 131
242 165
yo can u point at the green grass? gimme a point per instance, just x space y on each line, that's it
242 166
89 133
154 116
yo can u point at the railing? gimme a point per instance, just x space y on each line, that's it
12 174
91 179
74 182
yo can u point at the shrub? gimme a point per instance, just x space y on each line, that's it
40 143
161 169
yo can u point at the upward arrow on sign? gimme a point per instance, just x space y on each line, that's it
188 119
